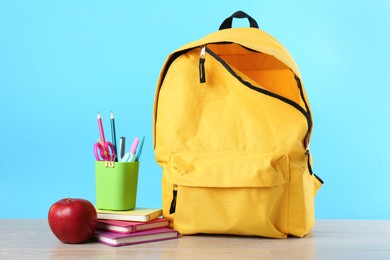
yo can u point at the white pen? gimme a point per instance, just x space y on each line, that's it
122 147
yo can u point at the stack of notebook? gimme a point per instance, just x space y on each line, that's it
141 225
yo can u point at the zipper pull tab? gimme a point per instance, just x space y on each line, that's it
172 209
202 60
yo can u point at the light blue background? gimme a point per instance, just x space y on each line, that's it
63 61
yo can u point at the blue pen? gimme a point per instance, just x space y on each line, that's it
140 148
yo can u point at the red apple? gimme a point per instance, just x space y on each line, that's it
72 220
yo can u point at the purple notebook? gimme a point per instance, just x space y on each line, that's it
120 239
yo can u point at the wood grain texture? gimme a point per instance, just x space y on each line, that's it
330 239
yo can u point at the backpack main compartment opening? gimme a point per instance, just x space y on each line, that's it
267 71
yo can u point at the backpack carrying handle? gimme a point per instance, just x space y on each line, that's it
239 14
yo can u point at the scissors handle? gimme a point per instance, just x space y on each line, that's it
104 151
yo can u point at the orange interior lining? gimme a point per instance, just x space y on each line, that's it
268 72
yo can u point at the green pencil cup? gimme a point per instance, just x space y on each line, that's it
116 185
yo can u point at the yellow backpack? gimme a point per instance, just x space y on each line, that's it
232 126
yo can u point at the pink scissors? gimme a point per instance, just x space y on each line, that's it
104 151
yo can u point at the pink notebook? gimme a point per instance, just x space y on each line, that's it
131 226
120 239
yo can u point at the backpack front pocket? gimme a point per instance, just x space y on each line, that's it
229 192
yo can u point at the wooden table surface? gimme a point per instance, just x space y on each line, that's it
330 239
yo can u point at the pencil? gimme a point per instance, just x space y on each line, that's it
113 134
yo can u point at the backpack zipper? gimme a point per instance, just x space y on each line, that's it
306 114
172 209
202 60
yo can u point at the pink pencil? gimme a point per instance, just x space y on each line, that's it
102 139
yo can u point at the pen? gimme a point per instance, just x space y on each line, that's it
122 146
140 148
113 134
125 158
133 149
